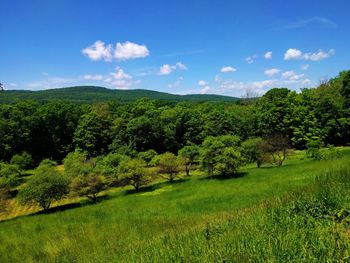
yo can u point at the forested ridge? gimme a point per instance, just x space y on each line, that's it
55 128
93 94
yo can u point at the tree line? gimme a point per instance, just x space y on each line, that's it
53 129
112 144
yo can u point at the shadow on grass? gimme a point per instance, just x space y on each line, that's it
62 208
153 187
226 176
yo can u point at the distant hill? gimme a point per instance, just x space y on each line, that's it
90 94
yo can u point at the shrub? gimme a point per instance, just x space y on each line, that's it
134 172
23 160
89 185
45 186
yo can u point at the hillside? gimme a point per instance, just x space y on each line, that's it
89 94
194 219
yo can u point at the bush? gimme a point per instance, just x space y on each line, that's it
9 175
134 172
89 185
45 186
147 156
23 160
221 156
169 164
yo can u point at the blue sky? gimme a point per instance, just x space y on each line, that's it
222 47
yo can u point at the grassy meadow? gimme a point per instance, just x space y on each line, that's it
294 213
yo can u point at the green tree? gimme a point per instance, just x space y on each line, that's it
77 163
169 164
189 154
277 146
44 187
108 165
134 173
228 162
221 155
9 175
147 156
93 133
252 150
89 185
23 160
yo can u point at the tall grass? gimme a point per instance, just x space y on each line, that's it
285 214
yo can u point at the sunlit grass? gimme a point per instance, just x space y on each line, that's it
169 221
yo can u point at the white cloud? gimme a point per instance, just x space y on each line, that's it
205 90
93 77
129 50
180 66
292 54
250 59
98 51
120 80
313 21
292 75
176 84
202 83
268 55
166 69
319 55
51 83
305 67
271 72
123 51
120 74
227 69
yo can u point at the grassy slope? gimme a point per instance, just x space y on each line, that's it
136 227
90 94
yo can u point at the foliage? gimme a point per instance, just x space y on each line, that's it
77 163
108 165
92 94
93 133
134 172
89 185
147 156
44 187
54 128
253 151
23 160
9 175
189 154
221 156
277 145
169 164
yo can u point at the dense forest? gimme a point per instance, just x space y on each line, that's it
55 128
91 94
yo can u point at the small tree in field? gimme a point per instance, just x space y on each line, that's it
253 151
23 160
221 155
189 155
89 185
169 164
46 185
277 145
228 162
134 172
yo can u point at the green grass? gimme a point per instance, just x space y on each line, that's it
245 219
